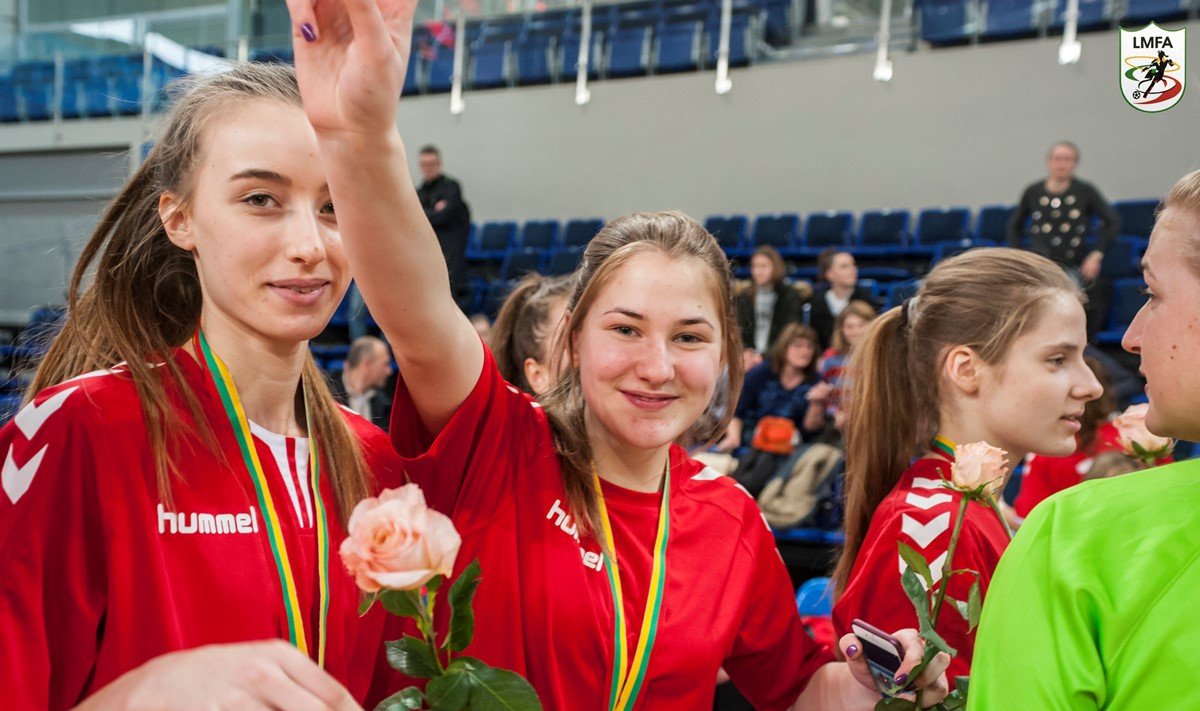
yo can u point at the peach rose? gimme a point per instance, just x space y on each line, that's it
397 542
977 464
1131 429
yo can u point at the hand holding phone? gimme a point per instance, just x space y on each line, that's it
883 653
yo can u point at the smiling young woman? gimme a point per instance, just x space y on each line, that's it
174 487
617 570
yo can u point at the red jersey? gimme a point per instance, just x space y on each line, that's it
544 607
98 576
1046 476
920 512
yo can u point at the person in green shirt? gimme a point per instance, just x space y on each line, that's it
1093 604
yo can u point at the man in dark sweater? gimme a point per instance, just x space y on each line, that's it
450 216
1060 209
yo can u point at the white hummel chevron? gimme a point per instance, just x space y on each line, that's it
31 418
923 483
935 568
709 474
927 502
16 480
924 534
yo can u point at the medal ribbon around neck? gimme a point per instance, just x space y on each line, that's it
628 676
287 581
943 446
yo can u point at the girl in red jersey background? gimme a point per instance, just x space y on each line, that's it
990 349
617 571
174 488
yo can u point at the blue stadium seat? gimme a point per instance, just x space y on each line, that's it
1137 216
945 22
96 97
10 405
497 292
898 292
1140 12
679 46
440 70
563 260
127 92
9 110
815 598
278 55
883 274
489 64
1128 297
827 229
535 58
412 76
778 25
493 240
1093 15
945 250
885 230
1010 18
539 234
34 84
568 58
629 51
992 223
577 233
743 29
521 261
730 231
1123 258
778 231
942 224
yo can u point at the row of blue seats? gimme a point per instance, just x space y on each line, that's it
91 87
885 232
945 22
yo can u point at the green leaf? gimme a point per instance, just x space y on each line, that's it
917 562
933 639
916 593
368 601
894 704
960 606
961 683
501 690
413 657
403 700
402 603
974 606
449 692
435 583
462 617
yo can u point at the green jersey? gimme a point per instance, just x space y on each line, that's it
1095 603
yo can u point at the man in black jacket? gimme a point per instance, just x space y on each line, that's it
1060 209
839 273
450 216
361 386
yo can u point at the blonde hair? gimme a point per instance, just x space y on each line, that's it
983 299
857 308
674 235
144 299
1185 195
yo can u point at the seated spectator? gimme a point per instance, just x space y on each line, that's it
1045 476
849 327
839 272
524 331
785 385
769 304
362 385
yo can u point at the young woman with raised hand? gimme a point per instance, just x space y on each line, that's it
1093 605
616 571
989 350
175 489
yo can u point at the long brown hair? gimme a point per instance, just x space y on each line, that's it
779 349
523 329
984 299
861 309
677 236
1096 412
144 298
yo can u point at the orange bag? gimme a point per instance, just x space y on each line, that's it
774 435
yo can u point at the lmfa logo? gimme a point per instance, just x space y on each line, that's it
1152 67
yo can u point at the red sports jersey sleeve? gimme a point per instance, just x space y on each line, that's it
921 513
52 596
466 468
772 658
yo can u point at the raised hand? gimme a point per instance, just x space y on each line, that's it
351 58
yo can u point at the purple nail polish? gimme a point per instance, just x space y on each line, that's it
901 679
310 35
852 651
